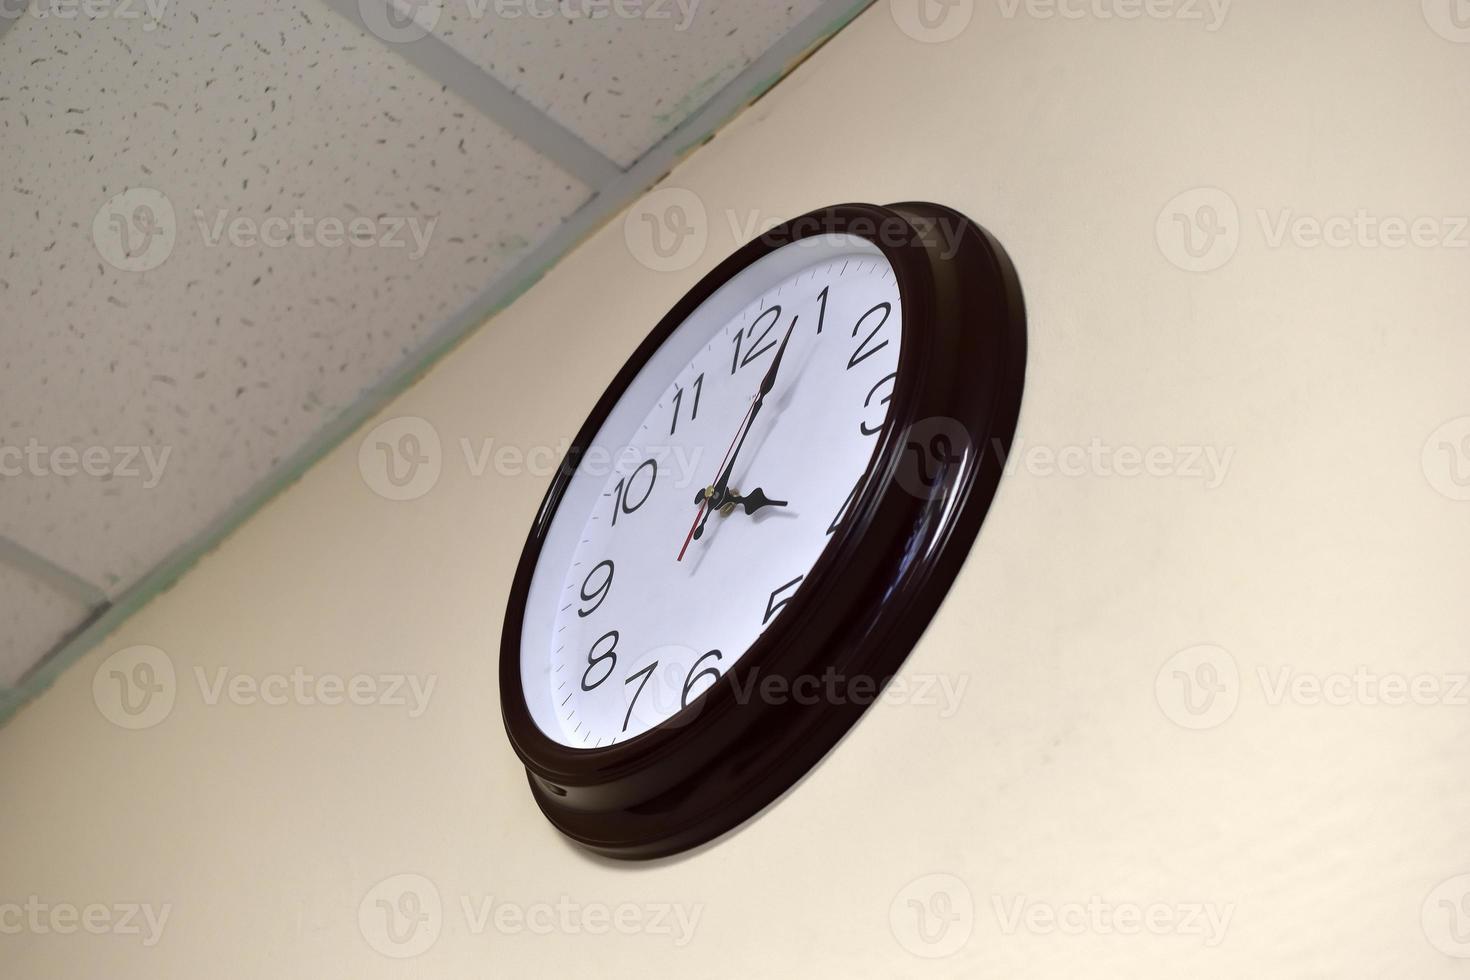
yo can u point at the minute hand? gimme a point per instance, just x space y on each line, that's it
715 496
767 383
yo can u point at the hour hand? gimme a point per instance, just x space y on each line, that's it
726 500
755 500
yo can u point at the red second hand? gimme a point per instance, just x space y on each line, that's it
705 503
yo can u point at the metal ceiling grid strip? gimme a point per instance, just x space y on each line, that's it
614 194
23 559
435 58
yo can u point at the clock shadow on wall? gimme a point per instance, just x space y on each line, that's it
758 520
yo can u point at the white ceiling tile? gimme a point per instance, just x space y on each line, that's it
34 618
621 83
223 359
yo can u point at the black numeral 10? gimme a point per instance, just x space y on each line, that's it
627 497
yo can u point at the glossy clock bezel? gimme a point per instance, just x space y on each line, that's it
869 595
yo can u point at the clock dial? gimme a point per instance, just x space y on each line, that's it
727 465
758 520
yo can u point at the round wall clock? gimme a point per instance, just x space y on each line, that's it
758 520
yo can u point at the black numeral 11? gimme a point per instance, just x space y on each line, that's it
679 401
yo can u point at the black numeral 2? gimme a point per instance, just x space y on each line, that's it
864 351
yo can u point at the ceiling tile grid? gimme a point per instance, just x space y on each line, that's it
228 231
619 75
33 617
304 208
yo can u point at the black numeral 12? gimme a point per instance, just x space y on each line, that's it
758 345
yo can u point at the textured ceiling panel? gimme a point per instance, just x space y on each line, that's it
33 616
219 230
229 232
619 75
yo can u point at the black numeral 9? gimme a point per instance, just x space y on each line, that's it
590 592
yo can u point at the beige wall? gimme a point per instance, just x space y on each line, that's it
1321 830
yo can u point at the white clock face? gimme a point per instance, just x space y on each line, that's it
643 595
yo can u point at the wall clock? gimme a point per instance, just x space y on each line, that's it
758 520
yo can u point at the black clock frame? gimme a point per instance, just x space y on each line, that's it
866 600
